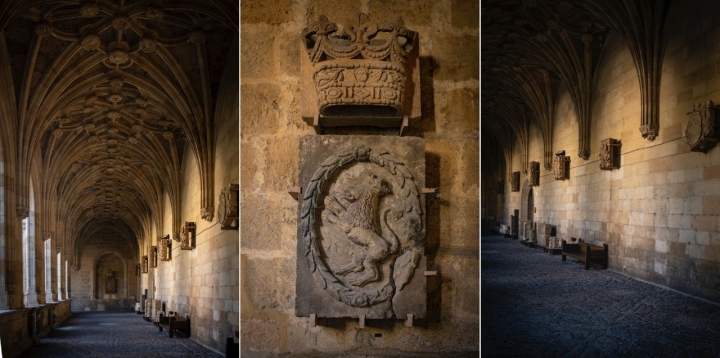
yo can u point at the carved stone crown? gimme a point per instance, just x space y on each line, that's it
366 41
361 71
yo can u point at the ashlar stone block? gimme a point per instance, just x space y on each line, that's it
361 227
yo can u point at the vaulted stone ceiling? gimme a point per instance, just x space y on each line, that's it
530 47
104 98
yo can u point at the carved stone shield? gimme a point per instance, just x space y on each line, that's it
361 227
700 131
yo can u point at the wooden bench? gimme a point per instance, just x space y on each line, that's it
586 253
171 323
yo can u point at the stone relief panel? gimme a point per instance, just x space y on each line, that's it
609 150
560 167
145 262
515 181
361 234
700 131
165 248
187 235
153 256
110 286
534 173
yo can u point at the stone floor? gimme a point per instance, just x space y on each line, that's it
114 334
536 305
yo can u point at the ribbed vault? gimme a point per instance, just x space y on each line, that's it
530 47
108 96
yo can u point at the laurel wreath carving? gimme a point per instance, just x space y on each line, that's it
406 263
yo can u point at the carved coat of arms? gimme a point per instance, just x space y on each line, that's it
361 236
700 131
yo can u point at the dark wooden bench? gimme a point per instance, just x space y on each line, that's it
586 253
171 323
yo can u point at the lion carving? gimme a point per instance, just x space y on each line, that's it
355 212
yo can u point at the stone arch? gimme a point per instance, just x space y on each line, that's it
98 274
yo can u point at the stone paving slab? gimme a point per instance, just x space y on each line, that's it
114 334
535 305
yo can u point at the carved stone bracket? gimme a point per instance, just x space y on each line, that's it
228 207
609 150
46 235
701 133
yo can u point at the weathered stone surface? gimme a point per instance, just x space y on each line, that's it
453 65
265 282
257 61
264 12
260 111
366 240
465 14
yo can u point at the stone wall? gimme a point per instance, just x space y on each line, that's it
100 254
659 211
271 127
204 282
16 335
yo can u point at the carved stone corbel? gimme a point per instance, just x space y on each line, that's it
22 212
207 213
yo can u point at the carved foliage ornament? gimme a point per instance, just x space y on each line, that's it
608 151
357 213
700 132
